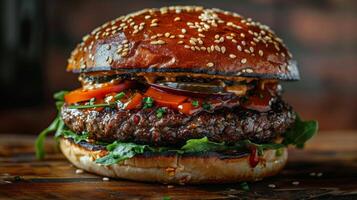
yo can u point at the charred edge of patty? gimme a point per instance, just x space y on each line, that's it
174 128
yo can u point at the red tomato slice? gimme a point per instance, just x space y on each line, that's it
259 102
188 108
80 94
134 102
165 99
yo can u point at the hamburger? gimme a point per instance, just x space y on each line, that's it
180 95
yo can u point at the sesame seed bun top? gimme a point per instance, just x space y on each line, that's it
185 39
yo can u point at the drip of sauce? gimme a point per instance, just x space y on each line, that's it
254 157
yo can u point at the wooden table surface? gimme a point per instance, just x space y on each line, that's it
325 169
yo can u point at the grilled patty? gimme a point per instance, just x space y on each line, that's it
174 129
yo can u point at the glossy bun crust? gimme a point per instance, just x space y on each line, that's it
177 169
185 39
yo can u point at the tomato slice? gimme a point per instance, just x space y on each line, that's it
134 102
259 101
80 94
165 99
188 108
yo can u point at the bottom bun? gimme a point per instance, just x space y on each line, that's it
172 168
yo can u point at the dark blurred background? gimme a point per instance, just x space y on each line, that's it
36 38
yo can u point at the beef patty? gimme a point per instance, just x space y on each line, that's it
142 126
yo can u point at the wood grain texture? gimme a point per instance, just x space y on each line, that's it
326 169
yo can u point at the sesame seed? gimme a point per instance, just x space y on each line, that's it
187 46
154 20
183 31
210 64
239 47
319 174
234 41
105 179
177 19
243 43
249 70
192 42
181 36
85 38
217 48
180 42
157 42
232 56
295 183
247 51
201 35
272 186
216 36
223 49
153 24
147 17
260 52
251 49
167 34
79 171
312 174
242 35
243 60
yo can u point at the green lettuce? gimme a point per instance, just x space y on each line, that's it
301 132
119 151
297 136
56 126
77 138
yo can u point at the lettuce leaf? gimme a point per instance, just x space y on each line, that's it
301 132
39 143
202 145
297 136
56 126
119 151
76 137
